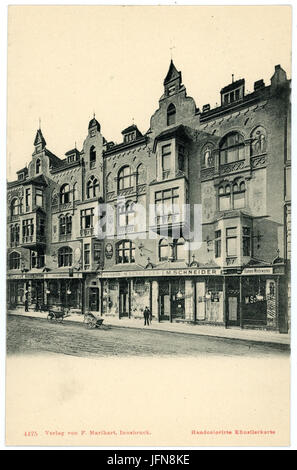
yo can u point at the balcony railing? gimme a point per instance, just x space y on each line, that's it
87 232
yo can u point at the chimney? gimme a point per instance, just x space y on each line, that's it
205 108
259 84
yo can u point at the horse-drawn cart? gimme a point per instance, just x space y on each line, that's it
92 321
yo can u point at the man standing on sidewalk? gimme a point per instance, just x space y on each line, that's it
146 316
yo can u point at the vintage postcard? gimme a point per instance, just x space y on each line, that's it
148 226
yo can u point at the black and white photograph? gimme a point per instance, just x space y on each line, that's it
148 225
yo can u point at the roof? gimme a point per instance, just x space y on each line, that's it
131 129
233 85
39 139
172 73
94 123
40 179
178 131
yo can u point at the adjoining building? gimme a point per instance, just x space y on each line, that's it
229 164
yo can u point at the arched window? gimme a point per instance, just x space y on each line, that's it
15 207
65 194
224 198
180 252
65 256
140 174
171 114
14 260
92 187
125 178
164 249
37 166
92 157
231 148
125 252
75 192
232 196
258 141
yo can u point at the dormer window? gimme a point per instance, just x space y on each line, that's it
21 176
233 92
130 137
171 115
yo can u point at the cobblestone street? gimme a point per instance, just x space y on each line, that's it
27 335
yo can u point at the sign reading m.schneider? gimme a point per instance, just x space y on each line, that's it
164 272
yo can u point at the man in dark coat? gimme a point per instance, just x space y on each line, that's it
146 316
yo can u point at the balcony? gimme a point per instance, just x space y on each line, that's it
13 218
231 167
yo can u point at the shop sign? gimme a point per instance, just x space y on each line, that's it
251 271
163 272
25 276
108 251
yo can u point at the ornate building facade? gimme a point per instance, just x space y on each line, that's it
82 232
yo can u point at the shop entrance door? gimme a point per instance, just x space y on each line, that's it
164 300
124 300
94 299
233 302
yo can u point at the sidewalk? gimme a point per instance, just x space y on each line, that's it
260 336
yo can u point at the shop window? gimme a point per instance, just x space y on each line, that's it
231 241
231 148
218 243
14 260
92 187
125 252
65 194
87 252
246 241
164 250
125 178
37 259
166 161
92 157
65 256
166 206
171 115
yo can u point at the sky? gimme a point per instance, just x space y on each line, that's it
67 62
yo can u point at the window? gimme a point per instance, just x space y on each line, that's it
65 194
28 229
75 192
37 166
126 214
224 198
92 157
164 250
239 195
41 227
166 206
166 160
171 115
179 250
231 148
130 137
87 255
140 174
207 158
14 260
125 252
39 197
14 235
37 259
92 187
87 218
171 90
65 256
181 158
232 196
27 198
125 178
231 241
246 241
218 244
15 207
65 225
97 252
108 182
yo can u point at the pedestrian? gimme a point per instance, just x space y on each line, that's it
26 305
146 316
150 316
